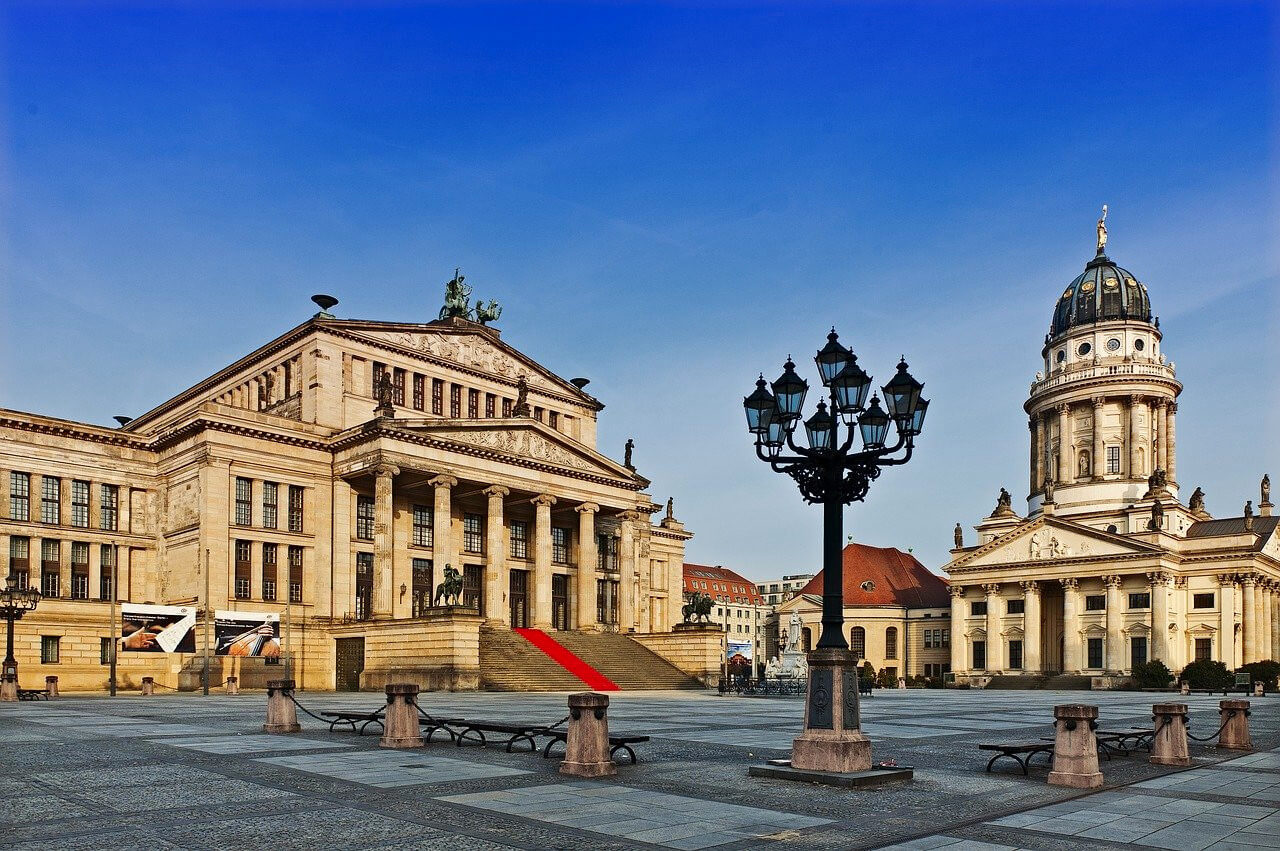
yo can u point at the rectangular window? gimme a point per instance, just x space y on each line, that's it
455 401
490 405
537 413
422 580
295 574
423 535
559 545
79 570
364 517
1095 602
554 420
109 519
19 496
244 501
1016 607
472 533
296 496
50 566
506 411
270 504
1094 647
437 396
978 607
1015 655
980 655
946 638
928 639
51 500
269 572
105 646
473 403
364 586
1202 601
50 646
607 554
473 587
419 391
1140 600
1138 650
80 504
397 387
519 532
606 601
242 570
1113 459
20 563
106 572
1204 649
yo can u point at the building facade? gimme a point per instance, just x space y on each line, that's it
1110 568
778 591
334 475
739 608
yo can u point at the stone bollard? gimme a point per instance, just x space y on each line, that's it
1184 688
400 726
1234 715
233 685
587 745
148 686
51 686
1075 748
281 715
1169 746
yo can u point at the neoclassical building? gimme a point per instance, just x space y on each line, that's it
331 475
1110 567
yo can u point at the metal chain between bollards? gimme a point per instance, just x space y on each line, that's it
558 723
1231 713
294 700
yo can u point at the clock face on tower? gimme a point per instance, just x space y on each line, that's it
1113 345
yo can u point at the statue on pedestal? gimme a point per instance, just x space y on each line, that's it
1196 504
959 535
1266 489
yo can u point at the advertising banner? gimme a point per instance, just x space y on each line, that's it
246 634
738 653
157 629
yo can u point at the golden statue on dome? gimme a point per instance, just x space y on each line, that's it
1102 230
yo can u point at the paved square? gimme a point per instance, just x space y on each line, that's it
251 744
388 768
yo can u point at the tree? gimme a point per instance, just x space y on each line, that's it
1208 674
1153 674
1267 671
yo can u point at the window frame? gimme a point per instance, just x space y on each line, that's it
423 534
270 505
366 510
473 529
80 507
19 495
297 508
51 506
47 642
243 502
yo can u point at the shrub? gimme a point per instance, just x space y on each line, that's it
1208 674
1267 671
886 679
868 672
1153 674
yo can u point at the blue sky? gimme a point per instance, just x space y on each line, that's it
667 200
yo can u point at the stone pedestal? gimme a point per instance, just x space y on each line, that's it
1184 688
1169 747
587 746
1075 747
233 685
832 739
9 690
51 685
148 686
282 717
1234 715
400 726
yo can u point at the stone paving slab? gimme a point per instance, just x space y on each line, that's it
249 744
389 768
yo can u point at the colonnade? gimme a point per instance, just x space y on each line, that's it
1060 461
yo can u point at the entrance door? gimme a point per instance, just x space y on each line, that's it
518 594
559 601
350 664
1051 602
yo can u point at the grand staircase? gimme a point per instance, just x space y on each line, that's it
1056 682
510 662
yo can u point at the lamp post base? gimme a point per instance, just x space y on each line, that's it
9 691
832 739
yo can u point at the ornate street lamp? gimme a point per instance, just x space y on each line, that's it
831 472
14 603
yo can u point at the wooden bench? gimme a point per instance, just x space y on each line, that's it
1127 740
462 730
364 719
33 694
1019 752
616 743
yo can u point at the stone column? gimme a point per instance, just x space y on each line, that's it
1250 618
1227 622
995 641
1075 749
1031 425
1065 466
1098 463
442 526
627 567
1158 434
1115 626
542 560
1135 472
1041 441
1031 662
1159 615
1265 624
958 662
1070 626
584 610
383 517
1275 620
496 578
1170 441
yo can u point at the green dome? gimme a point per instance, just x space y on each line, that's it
1103 292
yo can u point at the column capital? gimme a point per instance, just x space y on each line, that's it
1160 403
1226 580
1135 399
1113 581
444 481
1157 578
991 589
587 508
1172 407
383 469
1099 401
496 491
1070 584
543 499
1030 586
629 516
1248 579
1063 408
957 591
1179 582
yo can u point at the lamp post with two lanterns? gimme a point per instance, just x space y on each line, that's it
14 603
831 472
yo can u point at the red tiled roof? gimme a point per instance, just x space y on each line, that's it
737 585
898 580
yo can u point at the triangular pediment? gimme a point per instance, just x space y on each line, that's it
1050 539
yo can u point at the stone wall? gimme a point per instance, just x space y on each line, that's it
439 652
696 650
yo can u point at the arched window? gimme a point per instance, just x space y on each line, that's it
858 642
891 643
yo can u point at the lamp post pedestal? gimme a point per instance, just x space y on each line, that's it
9 690
832 739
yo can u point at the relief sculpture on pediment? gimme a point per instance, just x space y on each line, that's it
521 444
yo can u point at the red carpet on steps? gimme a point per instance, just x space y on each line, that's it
595 680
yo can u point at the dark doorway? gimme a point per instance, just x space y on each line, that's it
518 595
473 587
1051 636
350 664
559 601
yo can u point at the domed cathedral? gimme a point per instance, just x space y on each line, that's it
1109 568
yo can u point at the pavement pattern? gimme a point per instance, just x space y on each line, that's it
186 771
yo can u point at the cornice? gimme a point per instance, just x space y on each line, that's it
76 431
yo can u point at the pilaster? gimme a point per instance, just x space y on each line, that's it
958 640
1159 615
1227 620
383 551
995 641
627 567
1250 617
1170 441
1097 461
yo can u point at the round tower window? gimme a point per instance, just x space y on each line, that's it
1139 344
1084 349
1062 355
1113 345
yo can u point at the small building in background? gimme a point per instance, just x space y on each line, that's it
739 608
